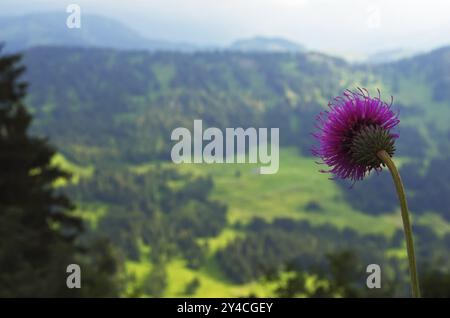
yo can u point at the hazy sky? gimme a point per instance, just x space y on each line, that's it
358 26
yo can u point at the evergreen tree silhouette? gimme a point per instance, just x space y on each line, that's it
37 233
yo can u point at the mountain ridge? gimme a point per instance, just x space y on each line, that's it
41 29
49 29
265 44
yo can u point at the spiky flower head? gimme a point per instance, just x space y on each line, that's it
351 133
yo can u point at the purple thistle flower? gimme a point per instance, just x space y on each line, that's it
351 133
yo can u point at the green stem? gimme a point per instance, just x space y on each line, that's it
384 156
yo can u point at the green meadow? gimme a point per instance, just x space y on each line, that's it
249 195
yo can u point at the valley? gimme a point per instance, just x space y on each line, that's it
222 229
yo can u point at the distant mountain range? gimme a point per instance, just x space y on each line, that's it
49 29
26 31
390 56
266 44
44 29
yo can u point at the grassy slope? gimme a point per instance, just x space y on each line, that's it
284 194
250 195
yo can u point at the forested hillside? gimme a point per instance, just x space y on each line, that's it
222 230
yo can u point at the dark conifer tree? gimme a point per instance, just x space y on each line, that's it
37 233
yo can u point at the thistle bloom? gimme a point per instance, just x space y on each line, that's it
355 138
352 131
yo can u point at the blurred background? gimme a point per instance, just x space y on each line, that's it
86 175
